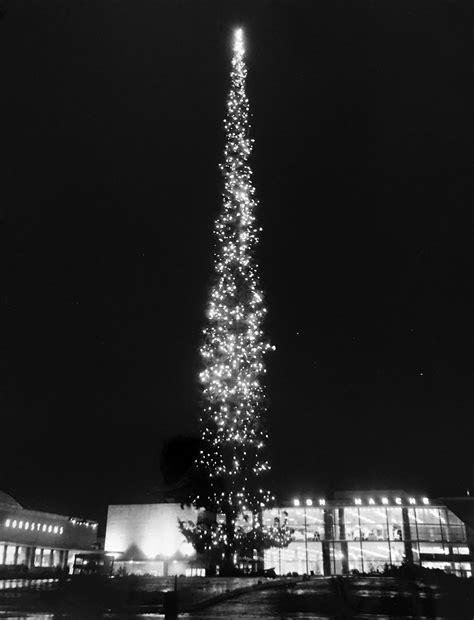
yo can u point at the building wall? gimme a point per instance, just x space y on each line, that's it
333 537
34 528
36 539
140 532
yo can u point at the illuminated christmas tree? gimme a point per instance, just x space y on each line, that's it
232 457
232 425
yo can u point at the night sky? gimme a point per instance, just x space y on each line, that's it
111 137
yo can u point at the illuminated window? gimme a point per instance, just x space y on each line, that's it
314 525
397 551
425 524
351 520
38 554
427 548
10 555
395 521
454 533
373 524
47 558
354 556
21 555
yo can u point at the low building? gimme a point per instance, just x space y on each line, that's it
36 541
145 539
351 532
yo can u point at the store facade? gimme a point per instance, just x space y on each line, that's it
35 541
360 531
366 531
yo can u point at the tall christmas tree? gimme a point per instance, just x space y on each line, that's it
232 424
232 459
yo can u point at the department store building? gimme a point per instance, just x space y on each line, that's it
365 531
36 541
352 531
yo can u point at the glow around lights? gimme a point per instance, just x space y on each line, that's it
239 47
234 345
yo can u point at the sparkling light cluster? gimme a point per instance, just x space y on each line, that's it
234 345
214 539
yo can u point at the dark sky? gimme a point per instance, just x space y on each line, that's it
111 136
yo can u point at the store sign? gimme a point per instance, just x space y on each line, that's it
33 526
369 501
386 501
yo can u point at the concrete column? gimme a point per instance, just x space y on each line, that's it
326 558
30 556
407 536
342 537
328 536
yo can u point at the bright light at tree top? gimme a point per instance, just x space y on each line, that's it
239 47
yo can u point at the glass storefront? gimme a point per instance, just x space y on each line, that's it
371 524
292 559
307 521
339 539
436 524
